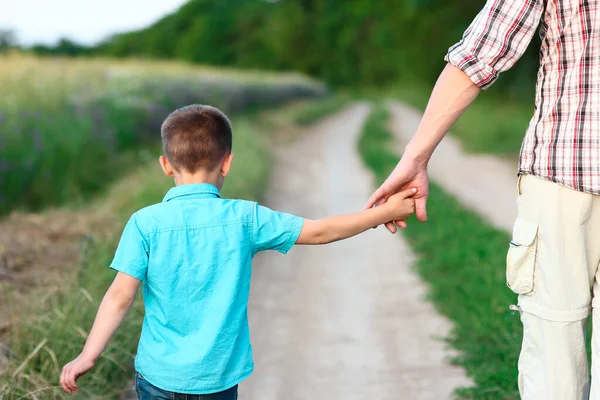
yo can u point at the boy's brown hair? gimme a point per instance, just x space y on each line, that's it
196 137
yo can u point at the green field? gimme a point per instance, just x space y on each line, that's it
68 127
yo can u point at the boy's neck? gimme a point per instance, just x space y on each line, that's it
188 178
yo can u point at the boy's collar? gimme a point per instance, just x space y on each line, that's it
196 190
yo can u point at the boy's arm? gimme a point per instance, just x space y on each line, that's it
112 311
331 229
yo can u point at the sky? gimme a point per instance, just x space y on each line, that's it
85 21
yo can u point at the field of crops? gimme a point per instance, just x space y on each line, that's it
67 127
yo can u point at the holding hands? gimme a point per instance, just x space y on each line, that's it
395 190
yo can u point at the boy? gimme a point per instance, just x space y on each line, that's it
193 253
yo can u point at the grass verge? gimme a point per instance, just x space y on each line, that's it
54 330
308 113
462 260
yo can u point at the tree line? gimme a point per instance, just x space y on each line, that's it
344 42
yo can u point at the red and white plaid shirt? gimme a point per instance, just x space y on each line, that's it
562 143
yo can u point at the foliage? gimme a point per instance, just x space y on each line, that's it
312 111
68 127
7 40
347 43
64 46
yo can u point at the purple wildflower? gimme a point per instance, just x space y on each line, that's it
38 143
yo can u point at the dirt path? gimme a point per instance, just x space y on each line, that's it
346 321
485 183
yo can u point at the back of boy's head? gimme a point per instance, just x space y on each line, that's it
196 137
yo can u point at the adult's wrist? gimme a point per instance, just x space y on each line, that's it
416 155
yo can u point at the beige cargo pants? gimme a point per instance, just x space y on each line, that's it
553 264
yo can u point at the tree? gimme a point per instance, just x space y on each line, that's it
8 40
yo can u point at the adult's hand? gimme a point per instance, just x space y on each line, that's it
409 173
452 95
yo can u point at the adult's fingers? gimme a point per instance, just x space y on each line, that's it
421 208
402 224
408 193
391 227
376 198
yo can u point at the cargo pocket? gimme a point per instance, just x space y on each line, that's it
521 258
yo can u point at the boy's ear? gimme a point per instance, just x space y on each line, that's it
226 167
166 166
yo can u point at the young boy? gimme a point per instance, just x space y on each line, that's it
193 253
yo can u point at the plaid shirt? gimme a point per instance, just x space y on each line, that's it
562 143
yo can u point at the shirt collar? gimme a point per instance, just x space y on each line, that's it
193 191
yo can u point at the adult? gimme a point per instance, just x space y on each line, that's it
555 251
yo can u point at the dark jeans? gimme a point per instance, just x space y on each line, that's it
147 391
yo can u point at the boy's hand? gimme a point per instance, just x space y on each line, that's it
72 371
401 205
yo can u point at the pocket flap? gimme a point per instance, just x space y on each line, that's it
524 233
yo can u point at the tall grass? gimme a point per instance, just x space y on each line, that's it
67 126
313 111
60 321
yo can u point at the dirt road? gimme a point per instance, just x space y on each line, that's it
346 321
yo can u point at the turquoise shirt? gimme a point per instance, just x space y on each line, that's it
193 253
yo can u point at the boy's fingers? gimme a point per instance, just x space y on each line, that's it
63 383
70 381
402 224
421 208
74 387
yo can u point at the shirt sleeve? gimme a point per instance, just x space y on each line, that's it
496 39
272 230
131 256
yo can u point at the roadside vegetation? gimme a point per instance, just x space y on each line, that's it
462 259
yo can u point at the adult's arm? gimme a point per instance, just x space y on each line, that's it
493 43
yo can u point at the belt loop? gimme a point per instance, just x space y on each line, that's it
519 179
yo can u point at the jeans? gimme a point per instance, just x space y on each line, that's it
147 391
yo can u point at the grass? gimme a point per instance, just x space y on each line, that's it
54 330
68 127
462 259
311 112
501 121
